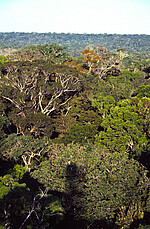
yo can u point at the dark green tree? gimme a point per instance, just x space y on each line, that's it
104 183
24 149
21 207
4 123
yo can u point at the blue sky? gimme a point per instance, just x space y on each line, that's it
75 16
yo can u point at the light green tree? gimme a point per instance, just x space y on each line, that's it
125 127
3 59
53 53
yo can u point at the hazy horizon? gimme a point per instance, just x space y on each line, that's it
78 33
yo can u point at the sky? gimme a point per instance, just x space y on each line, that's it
75 16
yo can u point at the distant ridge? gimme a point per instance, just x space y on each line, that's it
75 43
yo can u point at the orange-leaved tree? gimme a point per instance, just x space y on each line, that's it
91 59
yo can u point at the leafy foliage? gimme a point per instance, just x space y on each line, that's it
3 59
21 208
75 43
143 91
24 149
10 181
97 183
124 128
4 123
53 53
38 88
97 105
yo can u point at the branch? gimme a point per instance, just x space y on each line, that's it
15 103
43 194
28 216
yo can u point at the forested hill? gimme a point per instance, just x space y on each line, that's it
75 43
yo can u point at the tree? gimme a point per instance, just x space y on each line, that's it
107 64
24 207
124 127
53 53
124 86
4 123
3 59
23 149
80 123
38 87
26 54
30 123
101 183
102 103
63 123
91 59
10 181
120 87
143 91
80 133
